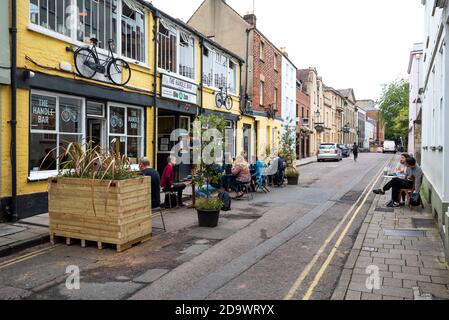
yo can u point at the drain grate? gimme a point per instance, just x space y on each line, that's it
404 233
423 223
351 196
378 209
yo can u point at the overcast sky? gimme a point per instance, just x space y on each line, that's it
353 43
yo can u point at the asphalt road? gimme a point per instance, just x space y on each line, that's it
262 249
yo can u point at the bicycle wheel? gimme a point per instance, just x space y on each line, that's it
119 72
228 103
85 59
218 100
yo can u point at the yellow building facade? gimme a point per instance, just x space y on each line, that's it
175 74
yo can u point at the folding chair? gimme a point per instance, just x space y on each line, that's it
154 215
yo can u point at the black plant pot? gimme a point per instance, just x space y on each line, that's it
208 219
293 181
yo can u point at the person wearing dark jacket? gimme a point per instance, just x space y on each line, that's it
145 170
355 151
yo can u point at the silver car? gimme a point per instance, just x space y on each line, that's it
329 151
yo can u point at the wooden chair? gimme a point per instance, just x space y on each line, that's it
408 193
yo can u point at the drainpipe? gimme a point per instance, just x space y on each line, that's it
246 66
155 28
201 77
13 121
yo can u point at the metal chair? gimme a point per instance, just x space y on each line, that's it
154 215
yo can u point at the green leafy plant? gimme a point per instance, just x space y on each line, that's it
288 146
209 204
206 173
291 173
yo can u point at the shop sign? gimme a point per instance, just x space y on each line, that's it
180 90
43 112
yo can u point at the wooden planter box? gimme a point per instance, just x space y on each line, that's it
122 214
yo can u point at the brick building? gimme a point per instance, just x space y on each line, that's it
304 123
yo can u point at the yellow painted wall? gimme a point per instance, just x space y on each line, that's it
49 52
265 135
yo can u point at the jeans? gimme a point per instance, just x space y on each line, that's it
396 184
177 187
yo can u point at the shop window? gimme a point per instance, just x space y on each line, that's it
55 121
230 138
126 131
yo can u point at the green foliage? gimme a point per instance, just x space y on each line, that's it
206 174
85 161
288 143
394 105
209 204
291 172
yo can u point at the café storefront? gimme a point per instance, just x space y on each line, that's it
60 111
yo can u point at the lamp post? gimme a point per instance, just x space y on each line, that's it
346 129
319 127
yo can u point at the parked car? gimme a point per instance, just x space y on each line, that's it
329 151
345 151
389 146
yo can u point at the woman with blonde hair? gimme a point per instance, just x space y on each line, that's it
242 175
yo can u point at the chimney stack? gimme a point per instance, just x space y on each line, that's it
284 51
250 18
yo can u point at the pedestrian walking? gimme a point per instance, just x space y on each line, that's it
355 151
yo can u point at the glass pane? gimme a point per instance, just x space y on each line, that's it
134 122
64 141
101 24
34 11
87 19
51 14
117 120
166 125
41 145
133 147
82 14
60 11
43 13
117 143
184 123
43 112
70 115
114 22
94 32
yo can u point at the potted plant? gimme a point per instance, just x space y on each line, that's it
288 151
97 197
207 169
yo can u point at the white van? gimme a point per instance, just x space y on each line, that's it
389 146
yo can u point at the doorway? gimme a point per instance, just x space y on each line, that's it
96 132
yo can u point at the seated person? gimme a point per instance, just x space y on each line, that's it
145 170
412 181
212 186
401 168
168 180
240 171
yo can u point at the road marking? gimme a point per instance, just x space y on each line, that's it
27 256
312 263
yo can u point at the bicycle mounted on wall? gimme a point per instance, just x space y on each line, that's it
88 63
222 99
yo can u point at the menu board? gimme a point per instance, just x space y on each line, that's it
43 112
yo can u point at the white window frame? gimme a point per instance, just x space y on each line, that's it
72 39
125 135
178 44
214 51
231 125
45 174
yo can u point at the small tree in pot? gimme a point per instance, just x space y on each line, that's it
209 156
288 151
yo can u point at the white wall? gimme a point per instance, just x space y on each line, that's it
435 109
288 105
416 80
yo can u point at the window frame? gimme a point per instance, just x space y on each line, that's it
178 45
261 93
142 124
72 39
212 55
262 50
45 174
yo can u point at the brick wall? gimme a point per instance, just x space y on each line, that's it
265 67
303 103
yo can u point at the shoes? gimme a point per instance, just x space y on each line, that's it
393 204
379 191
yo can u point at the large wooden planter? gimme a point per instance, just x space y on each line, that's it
117 213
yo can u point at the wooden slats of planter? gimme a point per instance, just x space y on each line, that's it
122 214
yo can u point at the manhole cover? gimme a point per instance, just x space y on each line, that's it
351 196
404 233
423 223
384 209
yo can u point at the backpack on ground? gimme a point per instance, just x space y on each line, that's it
226 199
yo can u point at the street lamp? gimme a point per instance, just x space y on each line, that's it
319 127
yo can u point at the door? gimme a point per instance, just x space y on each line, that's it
95 132
247 140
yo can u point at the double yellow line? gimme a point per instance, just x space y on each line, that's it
297 284
27 256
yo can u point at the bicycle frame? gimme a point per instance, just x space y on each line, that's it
110 56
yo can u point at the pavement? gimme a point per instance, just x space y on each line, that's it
241 258
398 255
34 230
